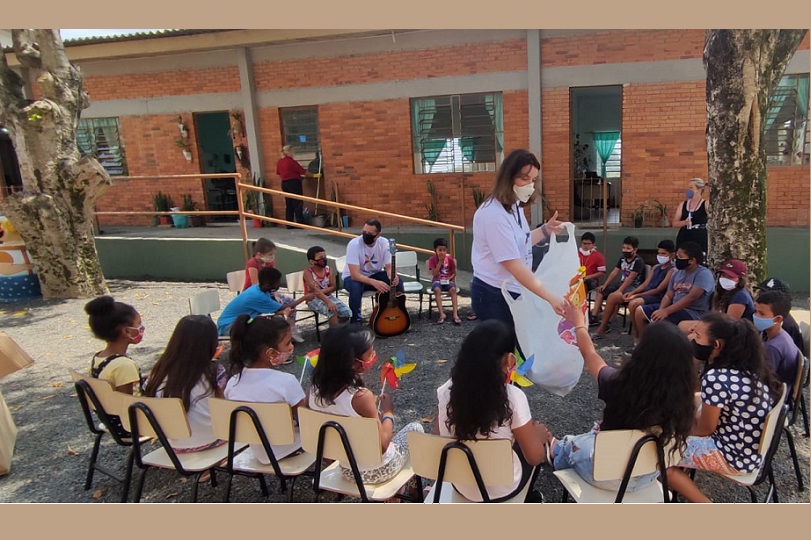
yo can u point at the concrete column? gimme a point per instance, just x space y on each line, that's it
534 100
249 106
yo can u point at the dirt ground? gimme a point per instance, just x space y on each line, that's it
53 444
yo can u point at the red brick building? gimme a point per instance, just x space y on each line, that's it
392 110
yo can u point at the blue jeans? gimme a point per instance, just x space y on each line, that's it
356 289
577 452
488 302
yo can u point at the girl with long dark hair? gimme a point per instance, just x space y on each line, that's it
347 352
478 403
738 389
652 391
258 346
185 370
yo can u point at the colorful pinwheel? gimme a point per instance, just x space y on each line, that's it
392 370
310 359
522 367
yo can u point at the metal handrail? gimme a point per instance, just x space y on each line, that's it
241 213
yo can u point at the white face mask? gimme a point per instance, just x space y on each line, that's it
584 252
726 283
524 192
662 259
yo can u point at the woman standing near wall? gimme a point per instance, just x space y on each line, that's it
692 215
291 172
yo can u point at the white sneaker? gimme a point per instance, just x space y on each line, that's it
297 338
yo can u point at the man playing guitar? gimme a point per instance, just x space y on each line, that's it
368 266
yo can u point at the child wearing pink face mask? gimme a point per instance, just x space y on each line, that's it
347 352
258 346
119 325
320 281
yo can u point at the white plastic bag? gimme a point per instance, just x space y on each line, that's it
547 339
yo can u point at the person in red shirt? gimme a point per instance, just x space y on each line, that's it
593 260
291 172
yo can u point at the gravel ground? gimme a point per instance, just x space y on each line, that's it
53 444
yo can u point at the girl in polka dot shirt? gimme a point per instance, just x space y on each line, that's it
738 389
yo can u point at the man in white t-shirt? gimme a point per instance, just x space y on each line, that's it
368 266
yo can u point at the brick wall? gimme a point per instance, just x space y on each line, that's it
556 158
787 196
402 65
167 83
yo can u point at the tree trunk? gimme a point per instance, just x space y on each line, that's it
54 211
743 69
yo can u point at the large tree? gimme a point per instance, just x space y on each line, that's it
54 211
743 69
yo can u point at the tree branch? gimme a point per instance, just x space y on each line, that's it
26 49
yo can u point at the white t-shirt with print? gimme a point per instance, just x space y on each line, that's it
498 236
267 386
369 259
520 416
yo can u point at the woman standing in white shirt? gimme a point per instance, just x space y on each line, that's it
502 240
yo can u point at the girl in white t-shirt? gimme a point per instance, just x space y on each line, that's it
258 345
478 403
185 370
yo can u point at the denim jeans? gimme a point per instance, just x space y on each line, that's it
577 452
488 302
356 289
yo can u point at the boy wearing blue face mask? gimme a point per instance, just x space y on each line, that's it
771 309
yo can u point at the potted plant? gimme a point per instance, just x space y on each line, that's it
182 127
161 204
252 205
663 221
638 215
189 205
185 147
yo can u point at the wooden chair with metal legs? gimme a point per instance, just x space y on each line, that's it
769 441
619 455
99 396
351 440
481 463
797 401
295 286
241 422
164 419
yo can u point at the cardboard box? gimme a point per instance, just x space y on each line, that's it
12 358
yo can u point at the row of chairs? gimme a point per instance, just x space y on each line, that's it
618 454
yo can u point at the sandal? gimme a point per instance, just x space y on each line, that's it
441 320
457 321
472 317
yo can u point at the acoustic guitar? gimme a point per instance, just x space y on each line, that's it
389 317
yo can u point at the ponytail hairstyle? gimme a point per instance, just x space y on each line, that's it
108 317
341 347
250 336
186 360
742 349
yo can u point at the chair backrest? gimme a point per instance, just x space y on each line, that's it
799 377
168 412
236 280
493 457
805 330
108 398
340 264
362 433
204 303
772 427
295 282
274 418
648 269
613 450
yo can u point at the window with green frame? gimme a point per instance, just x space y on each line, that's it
300 130
101 138
786 138
457 133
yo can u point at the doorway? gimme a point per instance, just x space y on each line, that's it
596 160
216 156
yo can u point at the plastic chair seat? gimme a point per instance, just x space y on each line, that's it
580 490
331 479
290 466
194 461
449 495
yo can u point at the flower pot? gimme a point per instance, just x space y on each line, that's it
164 220
638 222
181 222
198 221
257 223
319 220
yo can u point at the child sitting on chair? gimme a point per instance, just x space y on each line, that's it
630 270
443 272
319 281
119 325
264 256
771 309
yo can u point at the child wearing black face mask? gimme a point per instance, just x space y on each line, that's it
631 270
738 389
320 281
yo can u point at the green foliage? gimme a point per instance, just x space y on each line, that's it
188 204
478 196
431 206
162 202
